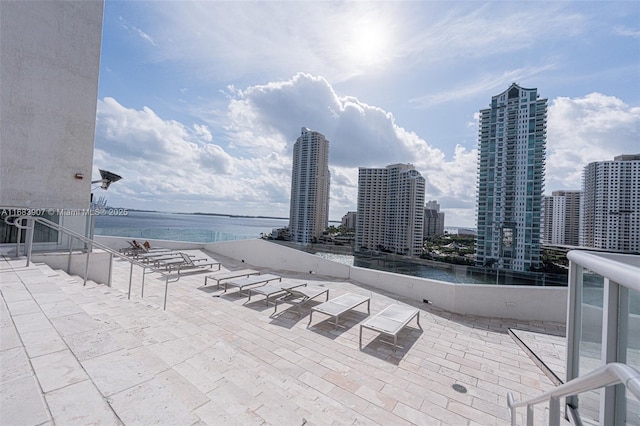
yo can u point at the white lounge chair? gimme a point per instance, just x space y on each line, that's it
390 321
273 288
241 283
187 262
158 257
340 305
301 295
221 276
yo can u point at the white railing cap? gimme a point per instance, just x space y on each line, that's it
623 269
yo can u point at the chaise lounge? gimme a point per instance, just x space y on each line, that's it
241 283
390 321
187 262
273 288
221 276
301 295
340 305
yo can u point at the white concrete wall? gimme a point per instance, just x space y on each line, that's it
517 302
99 264
49 62
270 255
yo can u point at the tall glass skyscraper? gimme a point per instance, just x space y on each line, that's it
511 164
310 180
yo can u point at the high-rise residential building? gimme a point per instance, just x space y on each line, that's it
610 211
349 220
390 214
310 180
561 224
511 165
433 219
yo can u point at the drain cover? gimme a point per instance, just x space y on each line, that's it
459 388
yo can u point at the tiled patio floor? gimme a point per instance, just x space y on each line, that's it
77 355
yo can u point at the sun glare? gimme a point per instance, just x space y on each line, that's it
368 45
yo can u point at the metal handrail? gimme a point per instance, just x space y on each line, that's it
619 267
610 374
17 222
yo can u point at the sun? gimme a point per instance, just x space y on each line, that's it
367 44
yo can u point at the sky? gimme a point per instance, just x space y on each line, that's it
200 103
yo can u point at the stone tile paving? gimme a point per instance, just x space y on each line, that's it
220 360
550 349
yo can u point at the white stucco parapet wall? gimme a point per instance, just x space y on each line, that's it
516 302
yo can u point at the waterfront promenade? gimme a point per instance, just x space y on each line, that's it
77 355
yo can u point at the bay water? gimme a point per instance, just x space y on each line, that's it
201 228
207 228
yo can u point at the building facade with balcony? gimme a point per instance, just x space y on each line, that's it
390 214
433 219
511 166
310 181
349 220
610 212
562 218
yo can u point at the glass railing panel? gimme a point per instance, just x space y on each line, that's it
633 354
590 348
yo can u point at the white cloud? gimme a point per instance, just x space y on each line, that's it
168 165
203 131
595 127
165 160
626 31
269 117
342 40
485 84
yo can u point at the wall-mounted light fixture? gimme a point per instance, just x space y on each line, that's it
107 179
79 176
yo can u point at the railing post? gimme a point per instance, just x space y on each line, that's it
86 265
69 259
18 238
530 415
144 273
166 290
130 278
510 399
29 239
554 411
110 269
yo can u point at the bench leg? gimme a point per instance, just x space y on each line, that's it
360 340
310 316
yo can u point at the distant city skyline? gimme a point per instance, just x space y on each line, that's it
198 102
